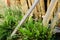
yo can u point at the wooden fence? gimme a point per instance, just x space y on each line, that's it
38 12
44 8
40 9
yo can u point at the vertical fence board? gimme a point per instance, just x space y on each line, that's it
49 12
59 8
48 3
42 7
29 4
24 5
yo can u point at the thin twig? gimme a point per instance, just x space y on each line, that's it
24 18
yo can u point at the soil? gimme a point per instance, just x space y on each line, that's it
57 36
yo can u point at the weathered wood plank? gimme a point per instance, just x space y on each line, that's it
38 7
49 12
24 18
29 3
35 11
48 3
42 7
24 6
56 18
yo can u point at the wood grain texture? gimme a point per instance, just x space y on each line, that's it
49 12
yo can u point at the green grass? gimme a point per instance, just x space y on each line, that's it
30 30
11 18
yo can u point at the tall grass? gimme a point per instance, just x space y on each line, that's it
30 30
10 18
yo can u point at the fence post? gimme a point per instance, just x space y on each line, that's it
24 5
49 12
42 7
56 18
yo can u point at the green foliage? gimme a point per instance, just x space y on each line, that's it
32 30
1 16
10 21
